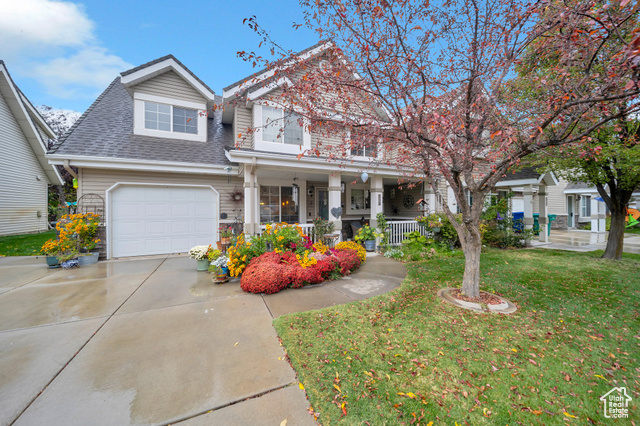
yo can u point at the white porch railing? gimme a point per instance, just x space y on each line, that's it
307 228
398 228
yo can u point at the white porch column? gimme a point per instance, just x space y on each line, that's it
528 207
251 215
377 200
598 216
334 200
543 219
302 198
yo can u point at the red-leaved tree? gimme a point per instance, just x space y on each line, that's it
434 86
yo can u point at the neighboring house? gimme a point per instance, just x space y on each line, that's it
24 171
536 193
589 209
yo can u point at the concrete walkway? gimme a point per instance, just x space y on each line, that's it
152 341
577 240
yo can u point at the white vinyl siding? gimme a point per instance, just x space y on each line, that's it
169 85
22 195
242 122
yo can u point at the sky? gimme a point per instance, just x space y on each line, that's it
64 53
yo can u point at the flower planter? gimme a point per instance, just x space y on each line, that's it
370 245
202 265
225 241
88 259
52 261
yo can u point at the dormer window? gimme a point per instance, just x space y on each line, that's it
169 118
159 117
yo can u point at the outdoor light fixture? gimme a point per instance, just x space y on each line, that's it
310 191
364 176
296 193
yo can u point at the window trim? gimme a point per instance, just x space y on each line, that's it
378 153
261 144
350 187
280 186
585 206
139 118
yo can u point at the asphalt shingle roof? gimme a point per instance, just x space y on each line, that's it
526 173
106 130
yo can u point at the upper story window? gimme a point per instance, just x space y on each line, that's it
169 118
361 146
279 130
281 126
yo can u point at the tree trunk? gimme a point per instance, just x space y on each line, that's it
615 240
472 247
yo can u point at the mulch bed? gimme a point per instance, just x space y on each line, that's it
485 298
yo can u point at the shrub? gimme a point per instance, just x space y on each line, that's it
446 232
348 261
264 277
351 245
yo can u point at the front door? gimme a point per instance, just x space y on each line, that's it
323 203
570 216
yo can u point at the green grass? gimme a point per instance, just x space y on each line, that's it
24 245
407 357
634 230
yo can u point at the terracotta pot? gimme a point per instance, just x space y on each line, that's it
226 241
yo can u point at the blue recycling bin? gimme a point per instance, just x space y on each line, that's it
518 221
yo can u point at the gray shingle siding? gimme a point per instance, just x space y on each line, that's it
106 130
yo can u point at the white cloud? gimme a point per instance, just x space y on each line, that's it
27 24
90 68
53 42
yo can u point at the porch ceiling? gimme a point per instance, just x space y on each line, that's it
288 173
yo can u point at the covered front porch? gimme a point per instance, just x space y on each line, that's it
348 197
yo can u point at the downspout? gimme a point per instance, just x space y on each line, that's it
68 168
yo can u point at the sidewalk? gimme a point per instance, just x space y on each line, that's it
577 240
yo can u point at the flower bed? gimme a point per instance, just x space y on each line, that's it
285 257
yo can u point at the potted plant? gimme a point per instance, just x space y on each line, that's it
88 257
219 268
368 236
69 259
225 235
199 253
51 249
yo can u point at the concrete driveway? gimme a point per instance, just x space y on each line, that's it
152 341
578 240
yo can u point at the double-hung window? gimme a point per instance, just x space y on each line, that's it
281 126
170 118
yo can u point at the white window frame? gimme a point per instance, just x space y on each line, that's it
585 206
378 155
139 118
279 186
282 147
350 187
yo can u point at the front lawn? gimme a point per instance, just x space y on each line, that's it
408 358
24 245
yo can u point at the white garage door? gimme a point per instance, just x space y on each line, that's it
161 219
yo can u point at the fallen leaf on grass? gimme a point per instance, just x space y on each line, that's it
570 415
344 408
301 386
283 423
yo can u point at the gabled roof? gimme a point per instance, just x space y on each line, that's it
527 176
33 126
105 131
320 46
161 65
